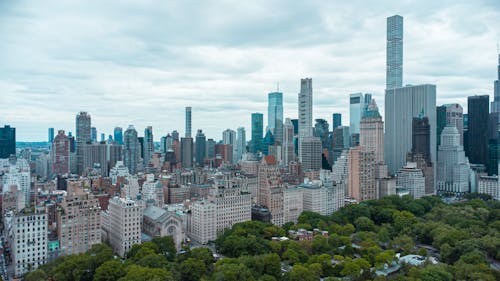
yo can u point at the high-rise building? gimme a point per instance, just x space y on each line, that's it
211 148
229 137
411 178
337 120
187 152
95 157
288 145
372 131
450 115
188 122
394 60
201 146
401 105
103 137
356 109
83 136
321 130
362 184
241 144
420 151
60 154
93 134
7 141
340 141
29 242
118 135
257 131
452 166
51 135
79 222
478 107
123 222
148 145
311 154
495 104
267 141
275 115
305 112
131 149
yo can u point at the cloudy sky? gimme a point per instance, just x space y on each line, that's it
141 62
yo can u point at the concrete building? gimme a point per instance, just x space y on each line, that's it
489 185
200 148
241 144
158 222
124 218
229 137
148 146
292 205
362 183
394 61
401 106
83 136
321 198
453 169
477 131
29 242
410 177
60 154
78 222
311 153
305 112
95 156
288 145
18 176
372 132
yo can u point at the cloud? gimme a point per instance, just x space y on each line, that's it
142 62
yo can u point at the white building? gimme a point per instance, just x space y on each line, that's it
453 167
29 242
119 170
305 112
411 178
125 220
489 185
288 145
19 177
293 204
152 190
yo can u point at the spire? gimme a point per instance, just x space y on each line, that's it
421 114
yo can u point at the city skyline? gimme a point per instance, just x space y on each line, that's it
135 75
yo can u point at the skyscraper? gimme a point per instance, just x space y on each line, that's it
201 148
452 167
83 136
305 112
275 115
361 174
337 120
93 134
188 122
257 131
60 154
477 107
372 132
356 109
229 137
118 135
394 67
187 152
51 135
241 144
421 131
131 150
148 145
401 105
440 122
311 154
495 104
321 130
7 141
288 146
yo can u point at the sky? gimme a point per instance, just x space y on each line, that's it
142 62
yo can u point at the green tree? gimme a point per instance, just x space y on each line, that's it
404 221
203 254
301 273
320 244
110 271
192 269
232 272
166 246
37 275
364 224
139 273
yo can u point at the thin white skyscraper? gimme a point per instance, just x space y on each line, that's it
394 67
241 144
305 112
288 145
